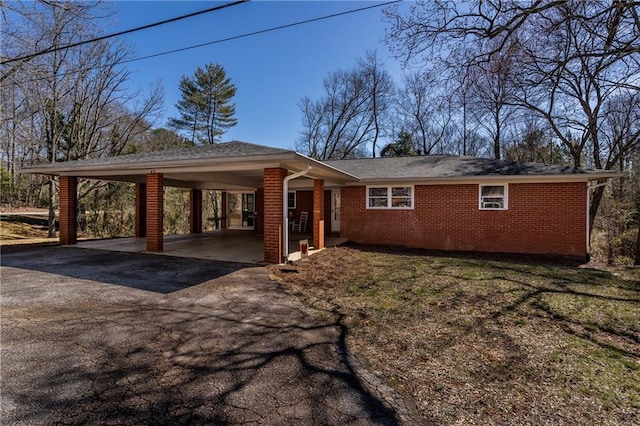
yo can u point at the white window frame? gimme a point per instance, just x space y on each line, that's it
295 200
505 203
389 189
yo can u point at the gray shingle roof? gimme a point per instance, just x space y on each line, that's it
446 166
221 150
365 169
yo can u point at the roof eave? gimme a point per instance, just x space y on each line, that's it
346 177
555 178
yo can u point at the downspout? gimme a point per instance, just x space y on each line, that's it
285 211
589 187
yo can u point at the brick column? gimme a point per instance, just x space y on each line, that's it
273 179
155 212
223 210
68 208
318 213
195 211
141 210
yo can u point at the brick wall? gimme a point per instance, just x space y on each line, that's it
318 213
68 218
273 179
155 212
541 219
195 211
327 211
304 203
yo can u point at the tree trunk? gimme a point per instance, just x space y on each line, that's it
596 198
637 259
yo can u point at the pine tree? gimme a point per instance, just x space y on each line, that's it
205 108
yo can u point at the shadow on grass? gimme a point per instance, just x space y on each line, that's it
527 259
556 281
463 332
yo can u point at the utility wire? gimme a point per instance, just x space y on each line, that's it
132 30
266 30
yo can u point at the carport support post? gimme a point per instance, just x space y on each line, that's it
155 211
223 211
195 211
273 196
68 208
318 214
141 210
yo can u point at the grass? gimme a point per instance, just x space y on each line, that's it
23 229
486 340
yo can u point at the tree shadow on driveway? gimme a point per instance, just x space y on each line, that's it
234 350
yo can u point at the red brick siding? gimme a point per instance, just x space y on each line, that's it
141 210
304 203
327 211
195 211
542 219
318 213
68 219
273 179
155 212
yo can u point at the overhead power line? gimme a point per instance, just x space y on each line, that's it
267 30
132 30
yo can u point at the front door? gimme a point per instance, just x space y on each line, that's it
241 206
335 210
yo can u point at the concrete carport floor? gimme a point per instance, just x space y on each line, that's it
97 337
222 245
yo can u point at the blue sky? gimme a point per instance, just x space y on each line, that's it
271 71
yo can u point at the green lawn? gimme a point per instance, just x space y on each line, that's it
486 340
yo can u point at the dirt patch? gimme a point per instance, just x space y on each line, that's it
483 340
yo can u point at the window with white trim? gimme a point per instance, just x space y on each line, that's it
390 197
291 200
493 197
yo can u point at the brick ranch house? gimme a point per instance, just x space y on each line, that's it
439 202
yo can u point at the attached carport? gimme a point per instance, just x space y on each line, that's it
231 166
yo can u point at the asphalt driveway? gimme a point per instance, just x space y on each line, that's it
96 337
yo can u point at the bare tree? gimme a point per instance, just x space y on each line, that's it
74 100
350 116
381 90
574 59
492 93
424 112
535 145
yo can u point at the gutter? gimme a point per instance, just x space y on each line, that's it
589 187
285 211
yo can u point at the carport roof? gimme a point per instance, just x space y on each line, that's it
230 165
